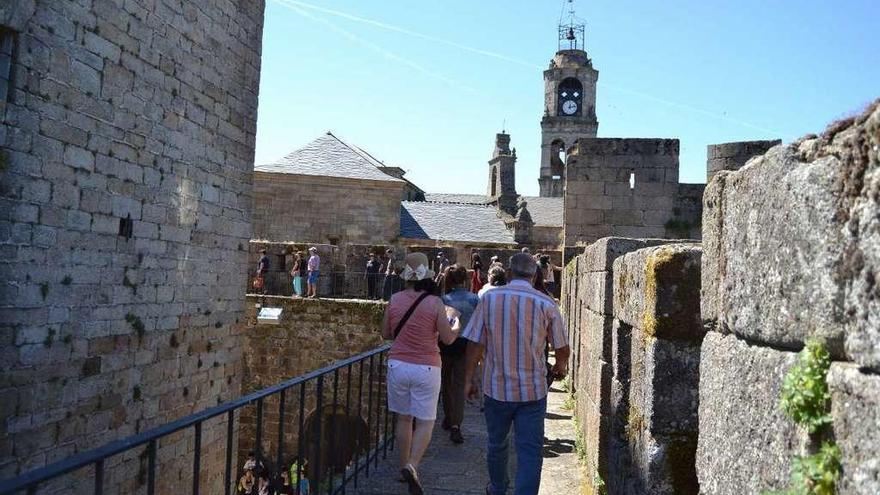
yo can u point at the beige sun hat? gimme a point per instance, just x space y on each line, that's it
416 268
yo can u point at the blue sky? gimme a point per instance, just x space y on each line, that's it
426 85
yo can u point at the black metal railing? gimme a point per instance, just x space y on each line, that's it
367 437
331 283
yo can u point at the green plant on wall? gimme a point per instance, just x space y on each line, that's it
805 397
806 400
816 474
599 484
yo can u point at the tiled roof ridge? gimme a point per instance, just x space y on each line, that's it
345 161
358 150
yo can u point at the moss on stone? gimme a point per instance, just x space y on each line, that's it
635 423
668 267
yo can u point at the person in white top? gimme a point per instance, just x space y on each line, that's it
497 278
549 272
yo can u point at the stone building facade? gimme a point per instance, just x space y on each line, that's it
328 191
125 212
621 187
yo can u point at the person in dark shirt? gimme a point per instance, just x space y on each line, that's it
393 283
374 266
262 270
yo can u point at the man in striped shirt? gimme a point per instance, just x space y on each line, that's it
512 324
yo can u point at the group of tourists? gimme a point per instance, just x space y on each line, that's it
444 335
303 270
463 336
257 480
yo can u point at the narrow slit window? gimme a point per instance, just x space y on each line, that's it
632 179
126 227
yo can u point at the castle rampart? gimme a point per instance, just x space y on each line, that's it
125 208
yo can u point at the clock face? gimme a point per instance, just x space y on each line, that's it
569 107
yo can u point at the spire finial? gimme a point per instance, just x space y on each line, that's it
571 30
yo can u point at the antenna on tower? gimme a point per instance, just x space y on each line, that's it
504 126
571 29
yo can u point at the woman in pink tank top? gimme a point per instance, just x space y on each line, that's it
414 362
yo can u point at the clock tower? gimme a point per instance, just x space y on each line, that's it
569 104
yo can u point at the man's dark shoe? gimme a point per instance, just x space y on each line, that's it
455 435
412 479
445 424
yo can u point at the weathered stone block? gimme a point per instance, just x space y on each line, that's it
657 289
795 254
855 407
600 255
664 386
745 441
661 465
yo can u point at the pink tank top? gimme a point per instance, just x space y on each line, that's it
417 341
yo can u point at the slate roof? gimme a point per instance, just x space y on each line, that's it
474 199
452 222
329 156
546 212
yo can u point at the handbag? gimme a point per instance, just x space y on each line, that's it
258 282
409 313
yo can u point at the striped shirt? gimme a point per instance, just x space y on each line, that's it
514 322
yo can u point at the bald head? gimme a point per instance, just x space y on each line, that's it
523 266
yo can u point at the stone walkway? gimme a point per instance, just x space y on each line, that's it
461 469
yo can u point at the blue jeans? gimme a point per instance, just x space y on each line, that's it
528 421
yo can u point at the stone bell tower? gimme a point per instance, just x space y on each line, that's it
569 104
502 175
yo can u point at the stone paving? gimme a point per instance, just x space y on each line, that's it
461 469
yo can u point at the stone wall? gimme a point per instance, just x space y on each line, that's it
600 200
311 334
303 208
634 327
791 254
733 156
687 213
125 207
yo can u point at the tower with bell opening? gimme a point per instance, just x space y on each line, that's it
569 102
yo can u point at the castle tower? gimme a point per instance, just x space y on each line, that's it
502 175
569 104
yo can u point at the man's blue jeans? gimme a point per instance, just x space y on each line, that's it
528 421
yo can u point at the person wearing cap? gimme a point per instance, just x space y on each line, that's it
495 261
415 319
314 267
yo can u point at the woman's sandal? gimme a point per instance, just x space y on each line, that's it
412 479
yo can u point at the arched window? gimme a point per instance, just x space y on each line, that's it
569 97
557 158
494 182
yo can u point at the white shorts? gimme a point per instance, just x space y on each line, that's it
413 389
